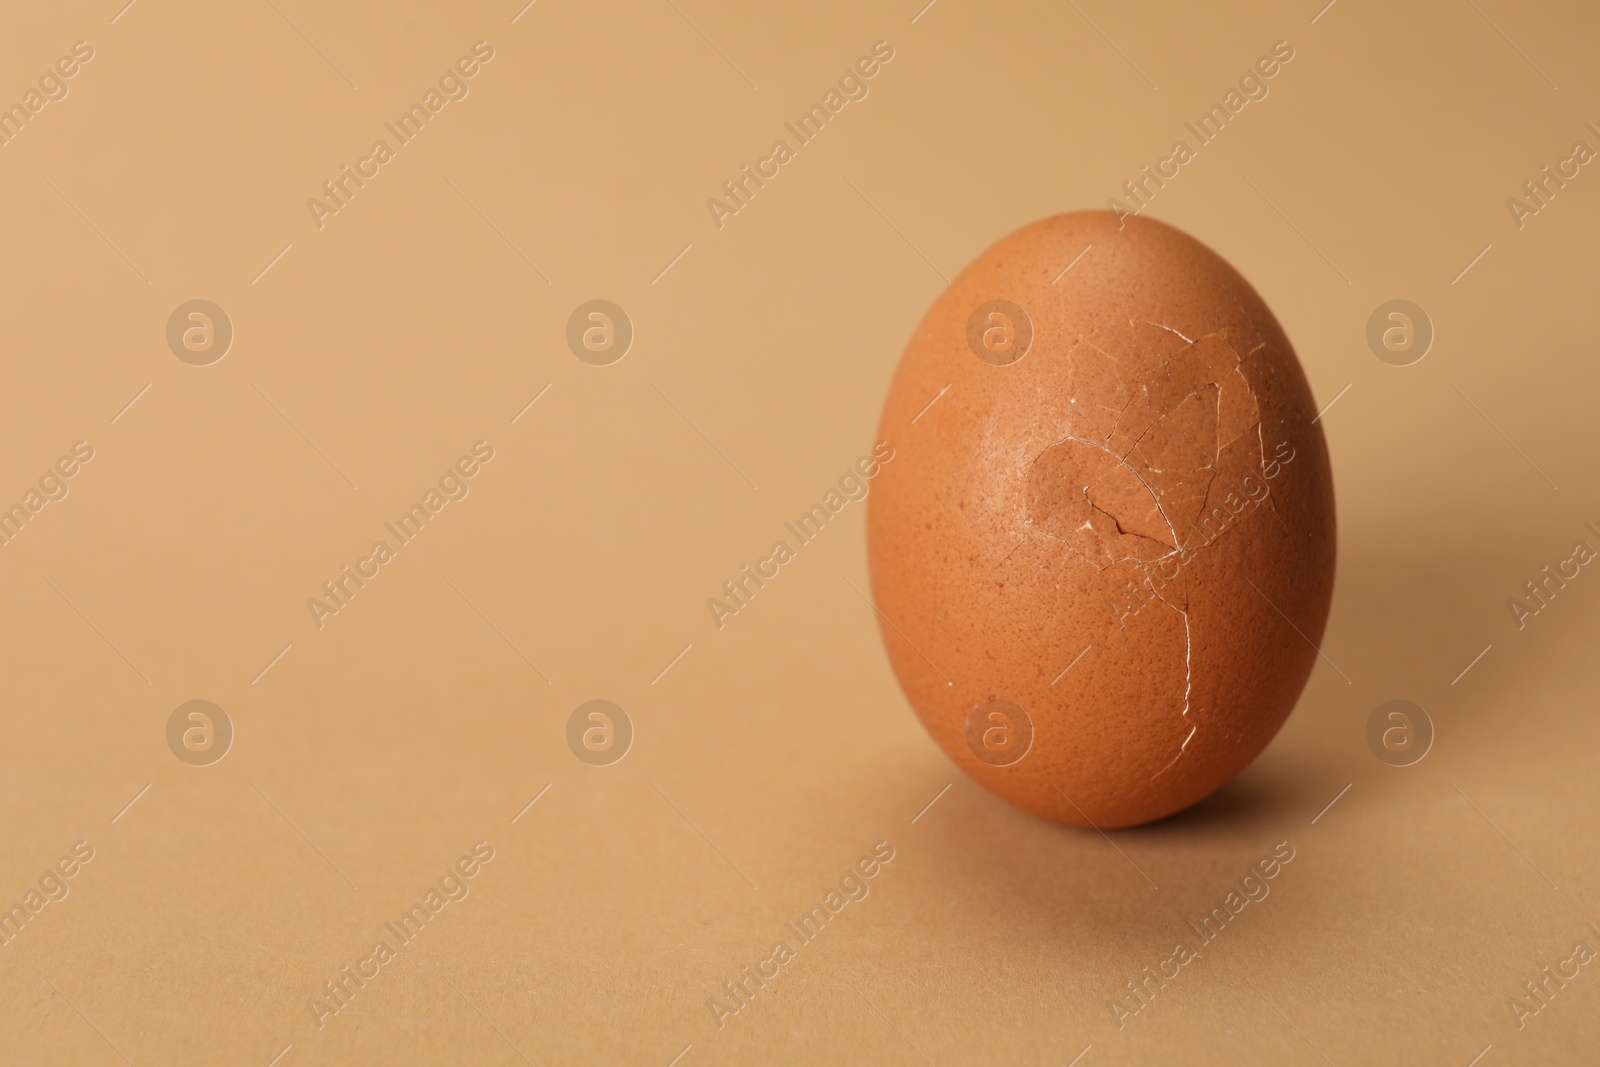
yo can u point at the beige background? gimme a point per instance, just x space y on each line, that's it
775 751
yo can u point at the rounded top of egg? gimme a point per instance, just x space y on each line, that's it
1103 552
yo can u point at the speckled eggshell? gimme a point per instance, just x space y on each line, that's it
1101 568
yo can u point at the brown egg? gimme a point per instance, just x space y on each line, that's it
1103 551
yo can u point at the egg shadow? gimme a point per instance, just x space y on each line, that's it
1103 897
1251 804
1007 889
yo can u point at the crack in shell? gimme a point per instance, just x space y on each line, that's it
1148 432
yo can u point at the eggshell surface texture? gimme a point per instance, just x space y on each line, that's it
1103 556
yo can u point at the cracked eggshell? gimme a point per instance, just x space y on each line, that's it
1093 553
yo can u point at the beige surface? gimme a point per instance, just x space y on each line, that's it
777 750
